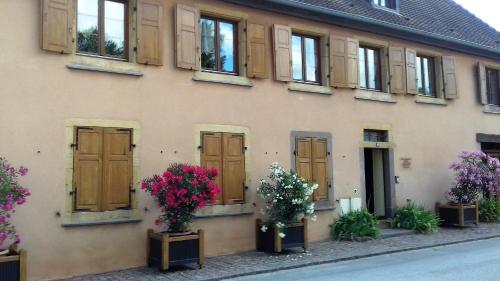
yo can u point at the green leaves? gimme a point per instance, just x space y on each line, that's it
354 225
416 218
489 210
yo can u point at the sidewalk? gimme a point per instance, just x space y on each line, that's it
217 268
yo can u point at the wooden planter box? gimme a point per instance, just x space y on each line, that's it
13 266
458 215
269 241
165 251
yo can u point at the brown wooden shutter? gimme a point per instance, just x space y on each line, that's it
344 63
303 152
411 72
211 157
234 168
282 53
352 63
58 19
397 70
256 51
450 78
117 167
150 29
483 84
87 169
187 37
320 168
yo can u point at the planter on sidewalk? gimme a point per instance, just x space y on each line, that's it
13 265
460 215
166 250
270 241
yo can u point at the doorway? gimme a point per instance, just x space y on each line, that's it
377 182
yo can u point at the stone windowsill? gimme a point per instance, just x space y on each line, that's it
430 100
222 79
99 64
323 205
77 219
374 96
495 109
308 88
225 211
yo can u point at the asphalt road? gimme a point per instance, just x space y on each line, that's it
475 261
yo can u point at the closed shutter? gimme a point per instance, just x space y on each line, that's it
150 29
282 53
187 30
211 157
320 168
234 168
344 64
450 78
256 50
411 72
397 70
352 63
303 152
483 84
58 17
87 177
117 167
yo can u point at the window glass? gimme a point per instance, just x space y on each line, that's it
226 41
208 44
114 24
372 66
305 54
369 68
297 57
87 26
425 76
362 68
311 59
427 85
218 47
493 86
420 82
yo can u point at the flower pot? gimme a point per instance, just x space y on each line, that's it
460 215
165 250
13 266
270 241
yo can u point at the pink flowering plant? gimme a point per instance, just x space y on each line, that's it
11 194
180 191
476 173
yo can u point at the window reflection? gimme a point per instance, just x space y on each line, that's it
297 57
208 44
87 26
227 46
114 24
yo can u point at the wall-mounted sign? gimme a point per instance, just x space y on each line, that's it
406 162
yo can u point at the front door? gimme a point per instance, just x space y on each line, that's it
377 181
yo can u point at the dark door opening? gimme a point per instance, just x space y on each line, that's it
377 182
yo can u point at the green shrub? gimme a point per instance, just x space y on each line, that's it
489 210
415 217
354 225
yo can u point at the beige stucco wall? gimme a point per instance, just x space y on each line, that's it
38 94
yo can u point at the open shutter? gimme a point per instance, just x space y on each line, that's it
117 167
234 168
150 31
344 68
58 17
282 52
450 78
352 63
397 67
187 30
411 72
320 168
303 152
256 50
87 177
211 157
483 84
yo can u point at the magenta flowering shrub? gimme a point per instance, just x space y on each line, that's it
476 173
11 194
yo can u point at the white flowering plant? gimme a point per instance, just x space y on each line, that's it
287 197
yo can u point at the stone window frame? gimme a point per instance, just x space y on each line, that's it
439 98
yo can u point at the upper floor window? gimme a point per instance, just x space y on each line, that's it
493 86
102 28
369 68
219 51
391 4
305 59
426 76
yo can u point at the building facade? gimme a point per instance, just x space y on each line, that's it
363 98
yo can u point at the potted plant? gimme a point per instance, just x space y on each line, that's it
180 191
287 197
12 261
476 174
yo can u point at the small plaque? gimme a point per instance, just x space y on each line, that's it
406 162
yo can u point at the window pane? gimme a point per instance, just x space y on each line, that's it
372 69
427 86
362 68
114 27
420 82
311 59
493 87
208 44
297 58
87 27
227 49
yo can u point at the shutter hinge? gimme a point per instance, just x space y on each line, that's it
75 145
135 9
295 152
328 153
245 29
135 49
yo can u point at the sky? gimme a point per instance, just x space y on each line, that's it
487 10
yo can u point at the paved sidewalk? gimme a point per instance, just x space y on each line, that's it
223 267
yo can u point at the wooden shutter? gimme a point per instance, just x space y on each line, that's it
256 51
282 53
483 84
234 168
150 29
303 152
117 167
352 63
58 17
397 70
411 72
211 157
450 78
344 64
87 169
320 168
188 39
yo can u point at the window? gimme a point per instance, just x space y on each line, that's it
305 59
102 169
493 86
226 153
219 48
391 4
369 68
426 81
311 163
